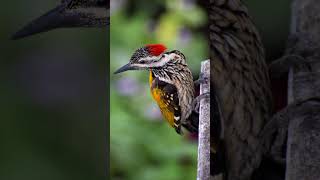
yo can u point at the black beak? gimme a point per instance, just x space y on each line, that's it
126 67
62 17
51 20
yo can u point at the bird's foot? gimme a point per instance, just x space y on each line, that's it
281 66
197 100
202 79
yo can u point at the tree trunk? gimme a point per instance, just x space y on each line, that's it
303 144
204 127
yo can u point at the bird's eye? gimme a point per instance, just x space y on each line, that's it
142 61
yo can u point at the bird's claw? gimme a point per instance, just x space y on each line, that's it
196 101
282 65
202 79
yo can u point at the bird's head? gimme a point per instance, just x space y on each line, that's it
69 13
152 56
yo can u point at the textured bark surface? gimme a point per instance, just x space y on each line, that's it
303 144
303 162
204 127
237 56
241 82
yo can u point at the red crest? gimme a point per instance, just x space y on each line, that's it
156 49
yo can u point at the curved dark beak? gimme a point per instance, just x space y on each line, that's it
62 17
51 20
126 67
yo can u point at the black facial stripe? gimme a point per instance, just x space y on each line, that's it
139 53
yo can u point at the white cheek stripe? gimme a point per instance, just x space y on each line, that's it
161 62
146 59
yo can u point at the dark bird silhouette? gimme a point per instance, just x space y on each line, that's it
69 13
241 83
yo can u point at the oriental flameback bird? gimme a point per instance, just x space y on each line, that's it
69 13
170 79
241 82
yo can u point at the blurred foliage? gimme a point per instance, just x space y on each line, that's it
143 146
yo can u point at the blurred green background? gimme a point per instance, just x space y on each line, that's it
143 146
53 96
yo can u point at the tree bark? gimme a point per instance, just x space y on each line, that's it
303 144
204 127
303 152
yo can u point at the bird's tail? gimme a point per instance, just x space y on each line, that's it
192 123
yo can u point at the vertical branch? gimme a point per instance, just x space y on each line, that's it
204 127
290 98
303 152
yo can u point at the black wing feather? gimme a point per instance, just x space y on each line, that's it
170 96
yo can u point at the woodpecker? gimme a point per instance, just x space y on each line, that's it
170 80
69 13
241 82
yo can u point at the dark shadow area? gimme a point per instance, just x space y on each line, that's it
54 94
